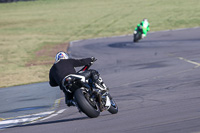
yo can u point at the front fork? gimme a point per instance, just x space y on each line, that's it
99 93
103 98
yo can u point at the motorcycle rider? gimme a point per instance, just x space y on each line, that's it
64 66
145 27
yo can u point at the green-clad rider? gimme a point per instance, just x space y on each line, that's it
145 27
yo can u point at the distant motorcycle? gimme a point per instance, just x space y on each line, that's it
90 97
137 35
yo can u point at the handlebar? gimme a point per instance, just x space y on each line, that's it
86 67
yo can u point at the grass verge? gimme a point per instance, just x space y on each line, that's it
29 29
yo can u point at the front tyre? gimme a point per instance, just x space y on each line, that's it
86 105
136 37
113 108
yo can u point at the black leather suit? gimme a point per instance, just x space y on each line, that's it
63 68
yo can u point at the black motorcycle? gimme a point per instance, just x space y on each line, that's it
137 35
91 97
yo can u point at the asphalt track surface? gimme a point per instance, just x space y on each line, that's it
27 99
155 83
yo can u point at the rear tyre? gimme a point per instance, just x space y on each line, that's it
86 105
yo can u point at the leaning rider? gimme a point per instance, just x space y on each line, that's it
145 27
62 67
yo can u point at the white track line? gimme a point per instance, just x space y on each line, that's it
59 112
23 119
189 61
27 119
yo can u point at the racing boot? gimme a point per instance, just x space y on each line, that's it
70 103
69 98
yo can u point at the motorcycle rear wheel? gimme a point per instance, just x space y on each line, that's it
86 105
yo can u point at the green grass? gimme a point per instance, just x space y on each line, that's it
27 27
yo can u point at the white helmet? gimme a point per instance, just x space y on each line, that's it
61 55
145 19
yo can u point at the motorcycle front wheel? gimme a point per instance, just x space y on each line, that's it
136 37
113 108
86 104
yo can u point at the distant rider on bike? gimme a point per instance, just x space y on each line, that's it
145 27
64 66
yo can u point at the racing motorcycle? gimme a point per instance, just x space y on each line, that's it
137 35
90 97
